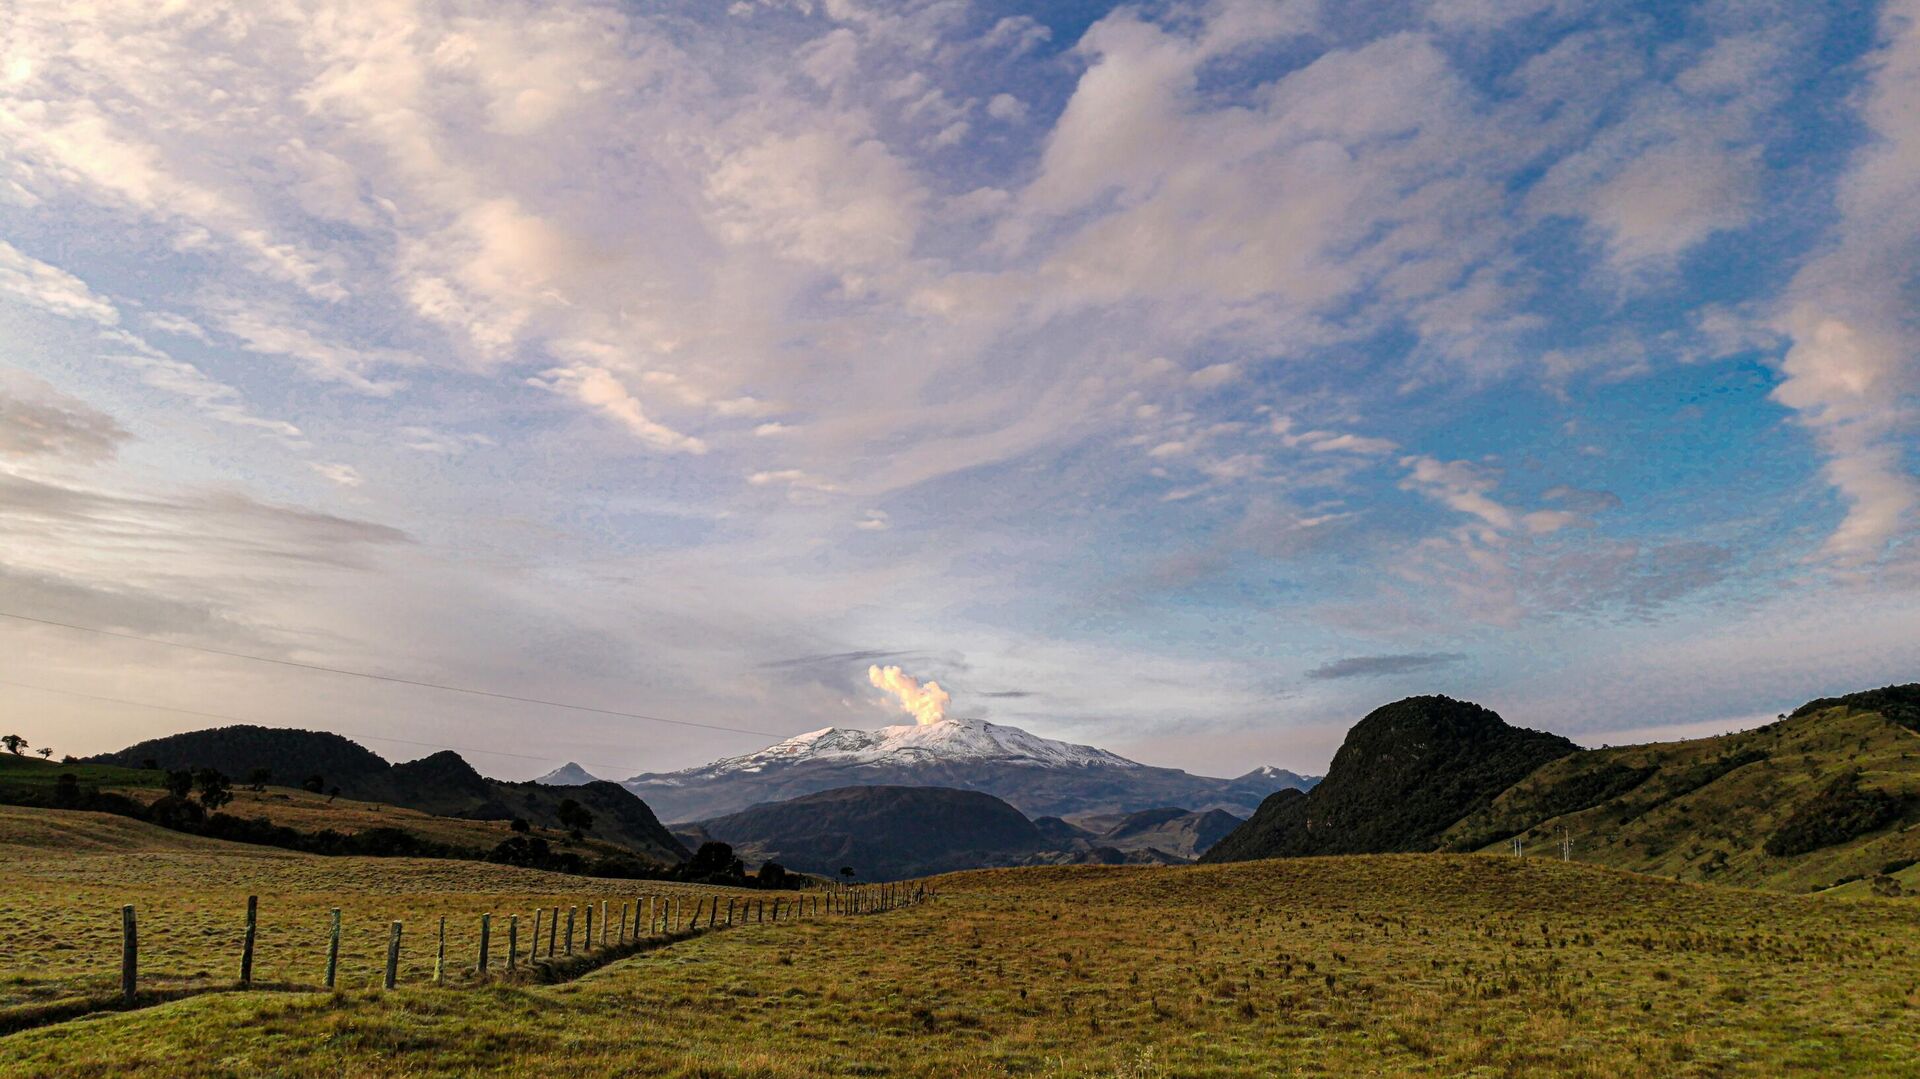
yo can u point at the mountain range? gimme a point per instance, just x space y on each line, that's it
1038 776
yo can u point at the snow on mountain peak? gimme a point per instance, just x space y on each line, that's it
568 775
942 740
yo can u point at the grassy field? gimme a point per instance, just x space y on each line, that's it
67 874
24 770
1404 964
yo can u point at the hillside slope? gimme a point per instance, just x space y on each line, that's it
443 784
1403 776
1829 793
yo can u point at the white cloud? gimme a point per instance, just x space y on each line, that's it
51 288
344 475
1459 485
1007 108
1853 368
602 390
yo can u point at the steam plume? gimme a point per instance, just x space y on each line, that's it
926 703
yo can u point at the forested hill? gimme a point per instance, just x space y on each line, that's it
1405 774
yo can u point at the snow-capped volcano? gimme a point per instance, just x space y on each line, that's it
945 740
568 775
1039 776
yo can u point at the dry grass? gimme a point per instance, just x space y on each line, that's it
1440 965
67 874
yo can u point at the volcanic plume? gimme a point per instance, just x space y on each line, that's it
927 703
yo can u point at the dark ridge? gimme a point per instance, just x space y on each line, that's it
1405 774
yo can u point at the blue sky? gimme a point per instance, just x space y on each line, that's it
1187 379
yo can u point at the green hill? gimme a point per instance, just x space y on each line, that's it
1830 793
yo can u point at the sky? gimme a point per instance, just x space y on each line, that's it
1186 379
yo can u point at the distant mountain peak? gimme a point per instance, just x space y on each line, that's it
1268 771
568 775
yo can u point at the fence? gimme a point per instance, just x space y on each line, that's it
666 918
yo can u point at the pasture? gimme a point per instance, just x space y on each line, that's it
1408 964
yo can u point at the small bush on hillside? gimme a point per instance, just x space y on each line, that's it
1838 813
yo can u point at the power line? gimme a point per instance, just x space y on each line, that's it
242 719
389 678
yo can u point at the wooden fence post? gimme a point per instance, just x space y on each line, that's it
729 910
570 913
586 939
440 952
513 941
486 933
535 953
246 945
623 922
393 954
129 954
553 930
603 923
333 948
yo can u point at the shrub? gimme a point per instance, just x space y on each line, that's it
1838 813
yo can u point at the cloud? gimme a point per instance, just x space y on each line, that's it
51 288
1853 369
1007 108
342 475
1459 485
37 420
793 479
1380 666
598 387
443 443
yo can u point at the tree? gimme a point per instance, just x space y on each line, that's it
314 783
214 790
14 743
520 825
46 753
180 783
846 873
772 875
259 778
713 859
574 817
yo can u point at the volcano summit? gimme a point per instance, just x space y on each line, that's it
1039 776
